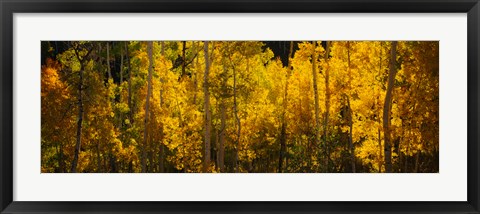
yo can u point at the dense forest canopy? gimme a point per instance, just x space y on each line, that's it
240 106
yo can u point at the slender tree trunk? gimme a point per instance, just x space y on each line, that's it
113 165
147 112
120 121
61 163
80 107
417 161
162 79
105 166
237 118
223 118
130 76
315 93
327 105
379 151
108 62
283 133
380 157
206 163
350 138
79 120
121 65
195 82
160 159
161 149
112 102
387 108
150 154
130 96
99 163
184 60
405 169
100 49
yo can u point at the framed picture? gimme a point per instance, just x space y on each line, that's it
255 107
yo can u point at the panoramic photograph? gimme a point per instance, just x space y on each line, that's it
239 106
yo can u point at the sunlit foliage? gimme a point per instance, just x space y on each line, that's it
322 111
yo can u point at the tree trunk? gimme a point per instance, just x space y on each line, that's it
350 137
387 108
221 155
120 120
79 120
405 169
99 163
315 93
160 158
327 106
206 163
161 149
223 118
61 163
195 82
380 157
417 161
147 113
130 76
283 134
80 107
184 60
350 121
237 118
108 62
121 65
379 151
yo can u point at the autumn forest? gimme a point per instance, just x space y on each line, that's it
240 106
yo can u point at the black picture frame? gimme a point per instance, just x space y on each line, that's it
9 7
